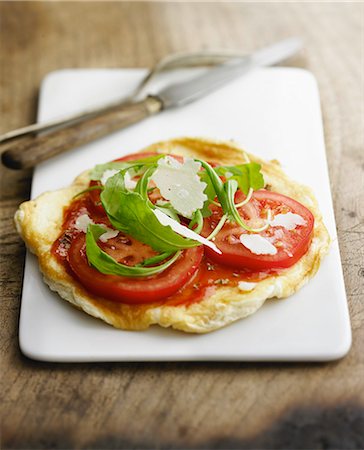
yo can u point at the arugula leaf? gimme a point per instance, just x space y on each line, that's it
209 191
230 188
197 220
226 191
256 179
131 213
247 175
104 263
155 259
142 185
99 169
218 186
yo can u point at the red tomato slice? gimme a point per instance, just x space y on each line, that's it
132 290
291 244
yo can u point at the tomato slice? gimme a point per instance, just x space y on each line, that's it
291 244
132 290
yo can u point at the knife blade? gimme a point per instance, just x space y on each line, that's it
182 93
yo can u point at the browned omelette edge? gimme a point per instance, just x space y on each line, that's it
39 222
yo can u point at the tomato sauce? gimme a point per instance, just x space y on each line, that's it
211 276
205 281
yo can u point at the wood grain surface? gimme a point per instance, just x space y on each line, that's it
184 405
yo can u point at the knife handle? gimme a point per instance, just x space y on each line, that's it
28 151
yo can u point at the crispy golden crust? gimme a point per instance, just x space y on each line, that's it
39 222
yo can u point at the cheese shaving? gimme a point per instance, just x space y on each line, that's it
109 234
182 230
246 285
129 182
180 184
289 221
82 222
257 244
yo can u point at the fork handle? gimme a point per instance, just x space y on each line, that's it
28 151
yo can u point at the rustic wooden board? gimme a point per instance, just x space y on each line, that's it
184 405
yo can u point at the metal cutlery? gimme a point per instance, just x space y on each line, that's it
24 151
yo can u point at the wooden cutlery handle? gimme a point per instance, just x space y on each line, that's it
29 151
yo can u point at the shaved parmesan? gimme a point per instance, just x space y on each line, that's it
257 244
289 221
109 234
82 222
179 183
246 285
182 230
129 182
107 174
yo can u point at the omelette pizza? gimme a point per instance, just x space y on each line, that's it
188 233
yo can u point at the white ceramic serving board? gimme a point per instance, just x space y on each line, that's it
274 113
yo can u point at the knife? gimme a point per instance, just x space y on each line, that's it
28 151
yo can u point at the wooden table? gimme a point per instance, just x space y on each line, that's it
184 405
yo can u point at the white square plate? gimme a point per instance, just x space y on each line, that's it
274 113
